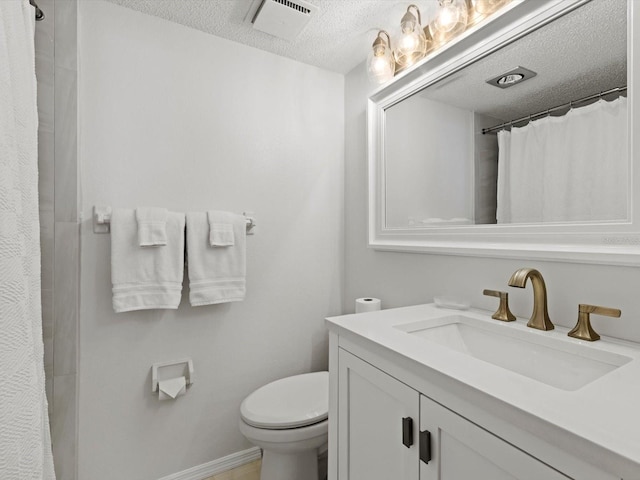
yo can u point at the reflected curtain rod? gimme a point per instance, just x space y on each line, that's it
553 109
39 13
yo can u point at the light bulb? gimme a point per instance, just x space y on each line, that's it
447 18
411 41
408 43
450 20
380 64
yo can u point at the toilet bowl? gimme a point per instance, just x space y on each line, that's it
288 420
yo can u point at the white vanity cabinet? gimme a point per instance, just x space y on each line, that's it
392 378
379 438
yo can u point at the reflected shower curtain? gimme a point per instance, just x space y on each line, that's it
25 445
573 168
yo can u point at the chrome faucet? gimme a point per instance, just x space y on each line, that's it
540 316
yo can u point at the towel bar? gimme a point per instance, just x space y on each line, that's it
102 220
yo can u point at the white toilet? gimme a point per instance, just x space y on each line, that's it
288 420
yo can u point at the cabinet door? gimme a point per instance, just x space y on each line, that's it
462 450
371 430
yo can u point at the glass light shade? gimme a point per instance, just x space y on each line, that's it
450 20
481 9
380 63
411 42
485 7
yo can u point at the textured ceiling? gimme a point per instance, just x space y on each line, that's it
581 53
337 38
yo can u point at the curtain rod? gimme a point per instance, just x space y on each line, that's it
553 109
39 13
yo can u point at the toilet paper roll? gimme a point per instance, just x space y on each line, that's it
171 388
368 304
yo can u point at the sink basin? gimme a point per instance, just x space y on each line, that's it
558 363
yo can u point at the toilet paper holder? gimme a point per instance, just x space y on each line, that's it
172 372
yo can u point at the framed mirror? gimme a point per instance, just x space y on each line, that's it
459 164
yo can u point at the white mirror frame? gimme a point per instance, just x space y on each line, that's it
600 243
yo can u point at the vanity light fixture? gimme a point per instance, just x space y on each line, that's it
411 44
381 64
413 41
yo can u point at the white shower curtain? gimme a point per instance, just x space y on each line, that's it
572 168
25 445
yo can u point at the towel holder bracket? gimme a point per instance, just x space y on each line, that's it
251 222
102 220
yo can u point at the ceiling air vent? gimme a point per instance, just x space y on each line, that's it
283 18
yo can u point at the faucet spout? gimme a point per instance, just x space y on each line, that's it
540 316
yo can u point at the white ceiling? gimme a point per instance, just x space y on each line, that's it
337 38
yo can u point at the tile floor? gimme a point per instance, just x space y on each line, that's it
250 471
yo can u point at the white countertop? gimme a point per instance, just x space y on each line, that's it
605 411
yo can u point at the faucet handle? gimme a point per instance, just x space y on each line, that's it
583 329
503 313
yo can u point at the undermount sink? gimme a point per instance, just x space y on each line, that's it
561 364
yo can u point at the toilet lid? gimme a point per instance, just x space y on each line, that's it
289 402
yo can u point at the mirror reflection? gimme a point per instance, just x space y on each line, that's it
536 132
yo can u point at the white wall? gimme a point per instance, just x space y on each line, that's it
405 279
173 117
419 144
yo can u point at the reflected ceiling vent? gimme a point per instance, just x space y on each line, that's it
512 77
283 18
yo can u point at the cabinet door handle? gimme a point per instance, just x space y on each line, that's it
407 431
425 446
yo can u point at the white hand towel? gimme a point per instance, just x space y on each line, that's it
145 278
220 234
216 275
152 226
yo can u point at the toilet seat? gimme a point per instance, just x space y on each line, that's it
290 402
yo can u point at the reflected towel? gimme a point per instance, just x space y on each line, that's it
216 275
145 278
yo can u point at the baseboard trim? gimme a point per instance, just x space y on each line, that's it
220 465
